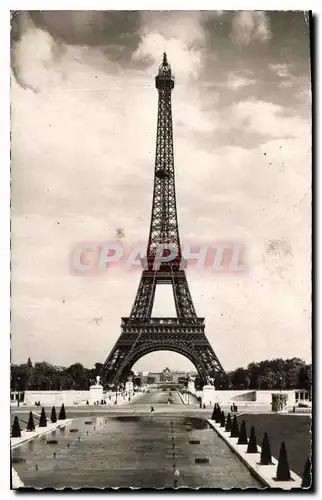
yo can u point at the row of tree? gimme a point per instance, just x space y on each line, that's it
291 373
278 373
45 376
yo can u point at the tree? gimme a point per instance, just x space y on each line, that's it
31 423
62 413
43 419
254 371
305 377
79 375
137 381
221 381
45 368
283 470
16 432
240 378
98 369
198 383
19 377
53 416
40 381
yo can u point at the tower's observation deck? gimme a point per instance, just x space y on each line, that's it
164 80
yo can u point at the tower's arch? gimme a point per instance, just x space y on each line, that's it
143 350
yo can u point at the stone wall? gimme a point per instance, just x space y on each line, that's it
223 397
258 397
55 397
51 398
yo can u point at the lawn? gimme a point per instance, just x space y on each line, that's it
293 429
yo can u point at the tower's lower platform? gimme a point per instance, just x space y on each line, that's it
141 336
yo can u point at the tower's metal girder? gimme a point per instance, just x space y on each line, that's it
141 333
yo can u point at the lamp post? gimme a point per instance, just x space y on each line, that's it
176 476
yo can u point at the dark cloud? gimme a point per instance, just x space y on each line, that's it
291 35
115 33
92 28
288 30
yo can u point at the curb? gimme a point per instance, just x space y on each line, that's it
181 397
263 473
28 436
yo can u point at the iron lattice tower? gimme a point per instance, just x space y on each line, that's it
141 333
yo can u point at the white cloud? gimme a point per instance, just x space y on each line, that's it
269 119
186 63
281 70
286 84
35 56
235 81
184 26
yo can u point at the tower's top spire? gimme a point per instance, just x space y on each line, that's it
165 68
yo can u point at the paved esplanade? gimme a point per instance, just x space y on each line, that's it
162 400
140 449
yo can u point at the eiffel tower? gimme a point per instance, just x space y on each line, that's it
140 333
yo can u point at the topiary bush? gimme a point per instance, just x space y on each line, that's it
31 423
43 419
16 432
62 413
53 416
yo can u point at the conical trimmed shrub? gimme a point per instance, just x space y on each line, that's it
213 416
234 428
222 419
283 470
242 438
43 419
218 415
228 423
31 423
16 432
252 443
62 413
266 457
307 474
53 416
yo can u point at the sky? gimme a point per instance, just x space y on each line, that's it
83 132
